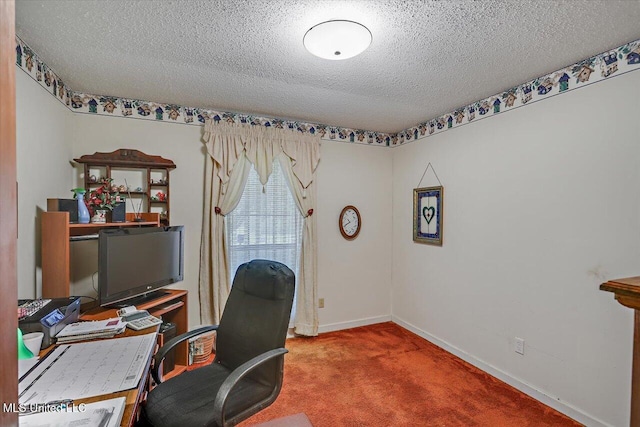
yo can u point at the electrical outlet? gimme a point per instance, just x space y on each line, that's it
321 303
519 346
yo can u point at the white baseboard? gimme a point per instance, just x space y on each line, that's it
353 324
527 389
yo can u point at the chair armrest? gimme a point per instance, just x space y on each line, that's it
235 376
169 345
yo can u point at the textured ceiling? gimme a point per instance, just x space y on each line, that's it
427 57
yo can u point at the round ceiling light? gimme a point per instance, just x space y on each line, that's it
337 39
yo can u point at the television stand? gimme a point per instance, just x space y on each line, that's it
141 299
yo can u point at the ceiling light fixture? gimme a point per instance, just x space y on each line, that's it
337 39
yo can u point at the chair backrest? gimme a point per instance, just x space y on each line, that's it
256 316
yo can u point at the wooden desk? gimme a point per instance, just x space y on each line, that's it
172 307
627 293
135 396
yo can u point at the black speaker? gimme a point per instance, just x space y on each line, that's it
168 331
119 212
62 205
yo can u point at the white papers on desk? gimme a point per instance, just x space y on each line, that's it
77 371
105 413
25 364
80 331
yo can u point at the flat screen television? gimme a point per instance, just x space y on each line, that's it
133 263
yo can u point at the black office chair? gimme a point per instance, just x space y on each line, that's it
246 374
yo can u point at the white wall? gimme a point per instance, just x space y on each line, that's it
541 205
180 143
354 276
43 154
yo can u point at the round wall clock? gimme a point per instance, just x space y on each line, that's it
349 222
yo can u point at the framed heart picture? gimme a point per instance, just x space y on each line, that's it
427 215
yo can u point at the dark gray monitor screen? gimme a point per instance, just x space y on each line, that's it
133 262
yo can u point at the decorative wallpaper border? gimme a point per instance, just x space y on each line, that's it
597 68
592 70
102 105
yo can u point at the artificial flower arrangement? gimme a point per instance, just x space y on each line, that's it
104 197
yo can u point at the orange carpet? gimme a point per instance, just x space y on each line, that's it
384 375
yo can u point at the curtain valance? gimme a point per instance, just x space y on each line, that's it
226 142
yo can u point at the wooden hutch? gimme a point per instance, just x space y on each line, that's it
146 176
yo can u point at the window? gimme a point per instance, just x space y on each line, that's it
266 224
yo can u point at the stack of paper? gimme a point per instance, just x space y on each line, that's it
82 331
105 413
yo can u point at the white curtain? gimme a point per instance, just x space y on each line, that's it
231 148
